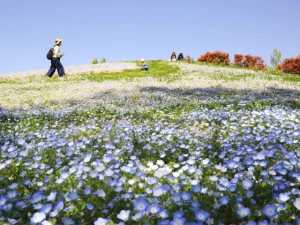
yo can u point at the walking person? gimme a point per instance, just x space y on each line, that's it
55 60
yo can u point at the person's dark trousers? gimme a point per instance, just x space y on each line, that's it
56 64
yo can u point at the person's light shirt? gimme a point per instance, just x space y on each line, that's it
56 52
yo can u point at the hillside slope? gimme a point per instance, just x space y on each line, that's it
178 144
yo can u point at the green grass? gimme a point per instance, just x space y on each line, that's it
157 69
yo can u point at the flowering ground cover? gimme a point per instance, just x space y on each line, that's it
168 149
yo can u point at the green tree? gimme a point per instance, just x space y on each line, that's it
95 61
103 60
276 58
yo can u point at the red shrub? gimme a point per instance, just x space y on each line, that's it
249 61
259 63
238 60
215 57
291 65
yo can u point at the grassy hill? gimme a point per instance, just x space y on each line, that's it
182 143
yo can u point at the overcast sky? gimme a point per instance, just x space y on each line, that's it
125 30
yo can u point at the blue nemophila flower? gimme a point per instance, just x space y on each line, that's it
13 186
243 212
296 203
196 188
251 222
138 216
12 194
158 191
283 197
46 208
20 205
247 183
231 164
109 172
195 205
7 207
37 206
224 200
224 181
13 221
59 180
213 178
151 180
176 197
124 215
72 196
45 222
3 200
178 214
51 197
140 205
295 191
37 197
163 222
178 221
265 222
270 210
93 174
282 186
201 215
249 193
37 217
232 187
59 205
154 208
186 196
163 213
67 221
89 206
27 182
101 221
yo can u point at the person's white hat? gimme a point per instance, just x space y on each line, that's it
142 60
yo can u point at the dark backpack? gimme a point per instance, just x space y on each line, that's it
50 54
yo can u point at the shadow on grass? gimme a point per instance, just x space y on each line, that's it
272 94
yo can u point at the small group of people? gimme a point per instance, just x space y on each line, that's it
56 64
180 56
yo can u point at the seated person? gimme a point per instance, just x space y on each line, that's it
144 65
173 56
180 56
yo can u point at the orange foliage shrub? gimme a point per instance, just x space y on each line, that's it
249 61
291 65
215 57
238 60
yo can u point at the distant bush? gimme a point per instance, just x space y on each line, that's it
103 60
217 57
290 65
188 58
95 61
249 61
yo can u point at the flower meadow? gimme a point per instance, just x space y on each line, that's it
153 155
